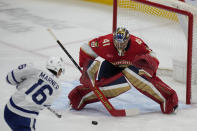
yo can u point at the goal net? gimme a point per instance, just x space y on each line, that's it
169 28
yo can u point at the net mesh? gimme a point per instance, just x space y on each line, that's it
165 32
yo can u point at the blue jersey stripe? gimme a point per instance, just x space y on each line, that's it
34 123
21 109
14 77
8 80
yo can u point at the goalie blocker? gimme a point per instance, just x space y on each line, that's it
112 82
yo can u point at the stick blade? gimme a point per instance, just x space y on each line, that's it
132 112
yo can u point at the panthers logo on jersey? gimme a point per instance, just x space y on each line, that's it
94 44
139 41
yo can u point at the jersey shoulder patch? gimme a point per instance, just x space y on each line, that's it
101 41
94 43
139 41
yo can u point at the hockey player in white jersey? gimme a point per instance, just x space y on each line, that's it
36 89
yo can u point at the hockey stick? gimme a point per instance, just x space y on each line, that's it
60 44
98 92
105 101
109 106
54 112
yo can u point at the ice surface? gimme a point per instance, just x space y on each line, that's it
24 38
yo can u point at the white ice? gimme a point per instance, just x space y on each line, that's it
24 38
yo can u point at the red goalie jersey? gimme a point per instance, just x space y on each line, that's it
136 50
114 61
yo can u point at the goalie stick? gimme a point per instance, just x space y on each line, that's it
97 91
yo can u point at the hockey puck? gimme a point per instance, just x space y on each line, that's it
94 122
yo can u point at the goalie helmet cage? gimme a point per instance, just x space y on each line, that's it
175 11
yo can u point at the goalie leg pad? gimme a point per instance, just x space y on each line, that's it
171 98
141 84
154 88
76 95
102 74
81 96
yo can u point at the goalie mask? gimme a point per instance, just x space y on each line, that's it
55 64
121 37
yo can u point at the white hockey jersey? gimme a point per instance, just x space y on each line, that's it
36 89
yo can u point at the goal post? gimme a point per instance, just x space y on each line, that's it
130 13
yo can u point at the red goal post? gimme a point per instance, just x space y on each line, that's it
177 7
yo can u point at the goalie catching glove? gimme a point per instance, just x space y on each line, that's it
146 62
